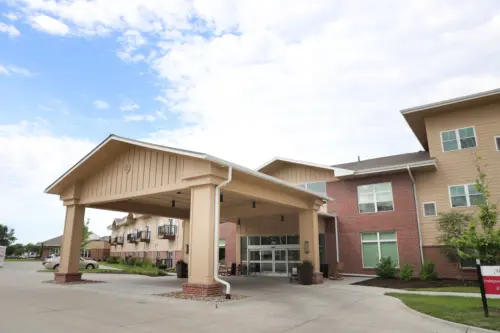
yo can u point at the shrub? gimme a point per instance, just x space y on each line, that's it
138 263
122 261
162 266
147 263
386 268
406 272
112 260
131 261
428 272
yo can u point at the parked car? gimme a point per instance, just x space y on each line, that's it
53 263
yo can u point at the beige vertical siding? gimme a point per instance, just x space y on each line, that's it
457 167
149 169
300 174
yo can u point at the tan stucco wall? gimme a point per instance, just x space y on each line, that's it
300 174
457 167
155 244
98 244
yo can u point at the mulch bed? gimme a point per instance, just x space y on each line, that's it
74 282
415 283
211 299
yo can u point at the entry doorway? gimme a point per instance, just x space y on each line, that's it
274 261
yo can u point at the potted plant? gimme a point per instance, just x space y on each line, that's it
181 269
306 272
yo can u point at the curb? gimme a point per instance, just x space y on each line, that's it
465 327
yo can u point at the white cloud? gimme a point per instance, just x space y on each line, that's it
323 81
31 158
100 104
49 24
129 106
11 16
15 70
9 29
139 117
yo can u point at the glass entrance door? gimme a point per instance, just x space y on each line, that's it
272 261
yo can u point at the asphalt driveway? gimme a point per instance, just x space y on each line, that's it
126 303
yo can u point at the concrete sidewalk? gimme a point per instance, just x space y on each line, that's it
126 303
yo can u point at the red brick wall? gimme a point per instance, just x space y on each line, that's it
445 267
403 220
228 233
99 254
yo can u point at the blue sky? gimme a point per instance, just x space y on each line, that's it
318 81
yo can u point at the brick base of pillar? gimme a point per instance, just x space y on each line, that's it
67 277
199 289
317 278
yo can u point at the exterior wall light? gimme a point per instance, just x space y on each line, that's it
187 248
173 203
306 247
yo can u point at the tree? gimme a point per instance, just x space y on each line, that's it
85 234
478 238
15 249
6 235
32 248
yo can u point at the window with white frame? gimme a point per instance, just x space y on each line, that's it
85 253
430 209
497 142
317 187
465 195
375 198
458 139
55 250
378 245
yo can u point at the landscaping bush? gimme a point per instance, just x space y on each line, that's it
406 273
112 260
146 263
428 272
138 263
122 261
162 266
386 268
131 261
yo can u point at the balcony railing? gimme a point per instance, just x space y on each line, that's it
167 231
143 236
119 240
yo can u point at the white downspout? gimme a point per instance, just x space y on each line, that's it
337 238
216 232
418 215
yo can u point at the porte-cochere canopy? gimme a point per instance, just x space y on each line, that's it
126 175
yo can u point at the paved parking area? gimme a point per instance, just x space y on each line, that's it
126 304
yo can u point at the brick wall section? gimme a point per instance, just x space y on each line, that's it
445 267
228 233
403 220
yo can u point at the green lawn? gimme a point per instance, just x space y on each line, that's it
458 289
463 310
26 260
151 271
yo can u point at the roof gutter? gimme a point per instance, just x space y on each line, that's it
417 213
216 232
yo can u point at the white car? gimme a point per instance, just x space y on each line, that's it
53 263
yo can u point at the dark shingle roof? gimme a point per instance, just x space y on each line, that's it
56 241
386 161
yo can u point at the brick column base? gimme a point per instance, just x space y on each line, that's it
199 289
317 278
67 277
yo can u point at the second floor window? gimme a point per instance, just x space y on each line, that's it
465 195
458 139
375 198
318 187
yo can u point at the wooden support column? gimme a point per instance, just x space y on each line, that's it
72 239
